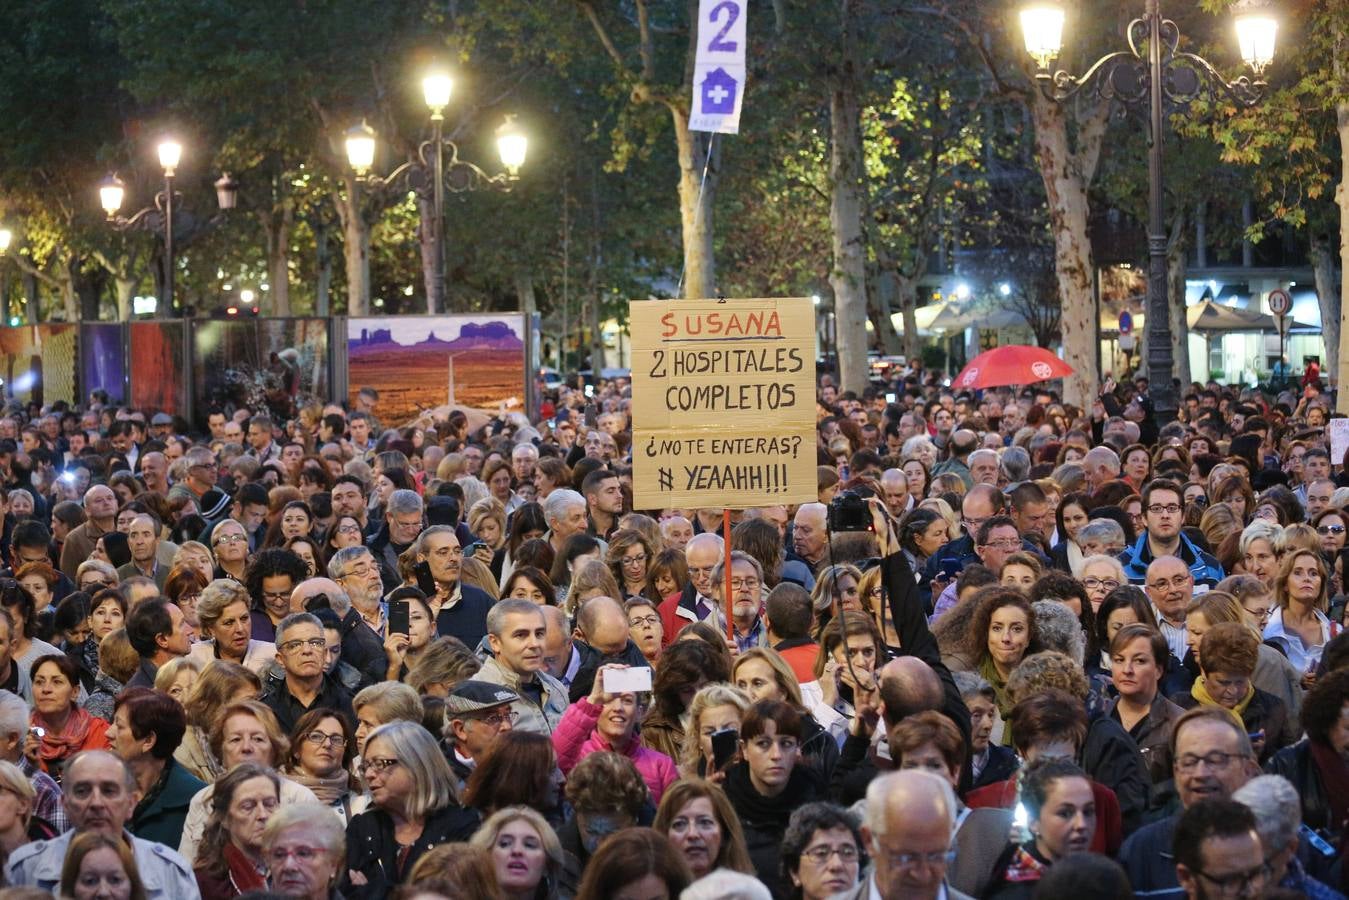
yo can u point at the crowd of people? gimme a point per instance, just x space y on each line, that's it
1012 649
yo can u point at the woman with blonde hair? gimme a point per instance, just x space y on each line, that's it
943 509
835 592
714 708
225 612
1300 626
591 578
487 521
177 676
16 810
1218 521
218 685
763 674
872 594
525 853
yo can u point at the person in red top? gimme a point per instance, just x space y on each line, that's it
1053 723
787 616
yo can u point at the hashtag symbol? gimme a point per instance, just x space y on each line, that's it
666 480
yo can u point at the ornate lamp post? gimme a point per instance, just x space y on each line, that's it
439 167
1152 73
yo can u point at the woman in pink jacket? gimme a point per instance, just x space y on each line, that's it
605 721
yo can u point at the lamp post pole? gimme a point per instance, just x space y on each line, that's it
437 303
1160 357
168 244
1154 76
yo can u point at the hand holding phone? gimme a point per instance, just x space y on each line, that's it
725 745
398 617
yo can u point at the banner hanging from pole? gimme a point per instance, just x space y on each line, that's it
723 403
719 67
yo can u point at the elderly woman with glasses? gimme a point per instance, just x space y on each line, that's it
322 747
822 851
414 807
628 558
305 852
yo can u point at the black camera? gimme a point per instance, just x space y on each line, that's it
849 512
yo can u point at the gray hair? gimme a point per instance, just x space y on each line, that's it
1110 532
523 450
419 547
918 440
719 571
1015 464
511 606
726 884
982 453
404 502
1059 629
1110 560
96 565
556 504
1277 809
299 618
215 530
1070 476
1102 456
343 558
319 819
883 786
1259 530
14 714
972 684
433 784
216 596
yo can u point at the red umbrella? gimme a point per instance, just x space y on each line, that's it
1014 364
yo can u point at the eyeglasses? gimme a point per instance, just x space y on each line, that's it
498 719
744 584
820 855
1261 614
318 739
230 539
644 622
1330 529
634 560
312 643
1239 884
277 855
1159 508
937 859
378 765
1092 584
276 595
348 529
1178 582
1214 759
1007 544
360 570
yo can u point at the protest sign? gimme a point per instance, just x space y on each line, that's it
723 403
719 67
1339 439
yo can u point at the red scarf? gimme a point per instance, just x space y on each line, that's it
1335 777
69 741
243 874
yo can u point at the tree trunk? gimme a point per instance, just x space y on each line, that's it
426 242
323 262
847 203
597 360
1066 176
696 196
1175 274
126 291
355 246
1342 200
907 289
277 225
1329 298
885 299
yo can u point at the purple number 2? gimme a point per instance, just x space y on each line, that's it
718 44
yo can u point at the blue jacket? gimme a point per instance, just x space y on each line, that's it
1148 861
1203 565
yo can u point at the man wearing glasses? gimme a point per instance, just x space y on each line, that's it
461 609
301 651
910 817
476 714
1211 757
202 473
1218 852
1163 512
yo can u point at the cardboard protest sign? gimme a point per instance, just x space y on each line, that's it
1339 439
723 403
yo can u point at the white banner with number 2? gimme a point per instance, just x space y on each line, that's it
719 69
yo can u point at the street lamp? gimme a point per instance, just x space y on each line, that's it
1153 72
159 217
6 238
439 170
